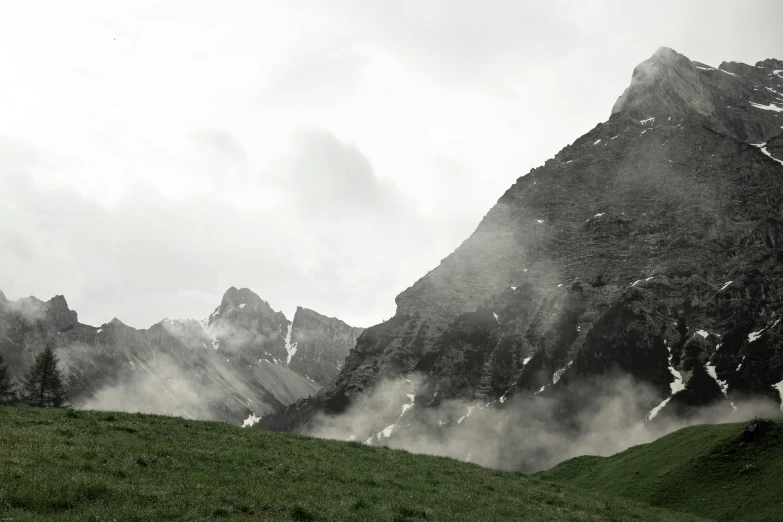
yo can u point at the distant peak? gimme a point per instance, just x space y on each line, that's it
666 53
667 82
58 302
2 297
241 295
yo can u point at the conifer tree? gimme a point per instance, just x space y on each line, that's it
42 387
7 388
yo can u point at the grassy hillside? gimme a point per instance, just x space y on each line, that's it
707 470
60 465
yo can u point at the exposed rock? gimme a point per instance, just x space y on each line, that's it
660 223
322 344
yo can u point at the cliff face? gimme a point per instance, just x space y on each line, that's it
246 326
652 246
321 345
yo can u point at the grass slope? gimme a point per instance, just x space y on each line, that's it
706 470
73 465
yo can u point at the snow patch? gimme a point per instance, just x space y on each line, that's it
539 220
496 317
770 107
677 385
242 305
702 333
597 142
526 360
648 120
598 215
779 387
470 409
725 285
724 386
763 148
559 373
290 348
386 432
513 288
654 412
406 407
99 330
753 336
251 421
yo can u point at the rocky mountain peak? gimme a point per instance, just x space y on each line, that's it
739 100
243 302
320 345
63 317
2 298
666 83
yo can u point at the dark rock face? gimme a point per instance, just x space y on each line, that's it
321 344
651 246
246 326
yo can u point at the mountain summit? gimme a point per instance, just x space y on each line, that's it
650 248
231 366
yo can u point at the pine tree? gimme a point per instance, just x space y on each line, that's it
42 387
7 388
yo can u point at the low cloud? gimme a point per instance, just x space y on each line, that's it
29 308
159 386
594 417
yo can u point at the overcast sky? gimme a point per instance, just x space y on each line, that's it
323 154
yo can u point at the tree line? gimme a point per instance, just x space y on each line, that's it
42 386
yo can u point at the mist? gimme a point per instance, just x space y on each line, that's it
597 416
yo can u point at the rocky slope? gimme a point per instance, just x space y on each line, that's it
231 366
651 247
321 345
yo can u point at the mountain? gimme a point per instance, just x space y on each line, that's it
724 472
320 345
229 367
650 249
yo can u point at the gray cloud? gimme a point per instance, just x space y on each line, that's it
149 256
315 75
527 432
223 157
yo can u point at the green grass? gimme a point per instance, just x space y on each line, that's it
74 465
705 470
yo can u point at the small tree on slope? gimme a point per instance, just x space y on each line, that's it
43 385
7 388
